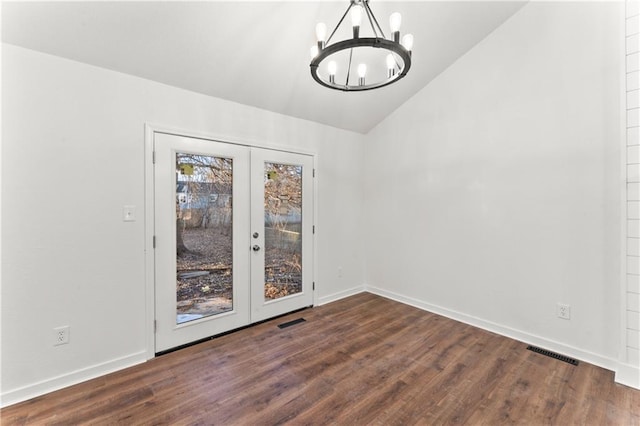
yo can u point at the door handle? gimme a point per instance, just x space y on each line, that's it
256 247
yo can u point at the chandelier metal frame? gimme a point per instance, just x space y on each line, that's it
379 41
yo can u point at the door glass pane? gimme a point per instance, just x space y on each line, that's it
283 227
204 237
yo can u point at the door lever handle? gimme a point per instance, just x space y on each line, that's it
256 247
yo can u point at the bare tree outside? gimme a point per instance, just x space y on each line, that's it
204 240
203 235
283 230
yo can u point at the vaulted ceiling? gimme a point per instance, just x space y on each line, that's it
254 53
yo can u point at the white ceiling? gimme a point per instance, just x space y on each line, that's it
254 53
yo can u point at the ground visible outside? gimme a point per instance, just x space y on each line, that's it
205 276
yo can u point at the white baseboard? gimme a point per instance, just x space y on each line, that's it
340 295
628 375
31 391
586 356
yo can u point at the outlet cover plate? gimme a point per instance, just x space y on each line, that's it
61 335
564 311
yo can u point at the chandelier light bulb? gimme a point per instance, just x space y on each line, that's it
321 31
391 63
407 42
391 66
356 15
321 34
362 70
333 67
314 51
356 20
394 21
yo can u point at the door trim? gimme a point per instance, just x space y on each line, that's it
150 129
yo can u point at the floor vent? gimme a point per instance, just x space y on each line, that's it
290 323
553 355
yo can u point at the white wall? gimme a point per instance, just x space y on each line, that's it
73 145
494 193
490 196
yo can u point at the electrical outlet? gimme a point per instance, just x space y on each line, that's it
61 335
564 311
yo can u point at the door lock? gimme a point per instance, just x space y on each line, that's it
256 247
256 235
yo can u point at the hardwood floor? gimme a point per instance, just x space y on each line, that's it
361 360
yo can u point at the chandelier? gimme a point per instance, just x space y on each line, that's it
380 61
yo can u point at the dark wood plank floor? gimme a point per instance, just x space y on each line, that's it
361 360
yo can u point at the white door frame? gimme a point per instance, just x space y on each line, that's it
149 220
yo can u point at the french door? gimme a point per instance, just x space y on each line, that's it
233 233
